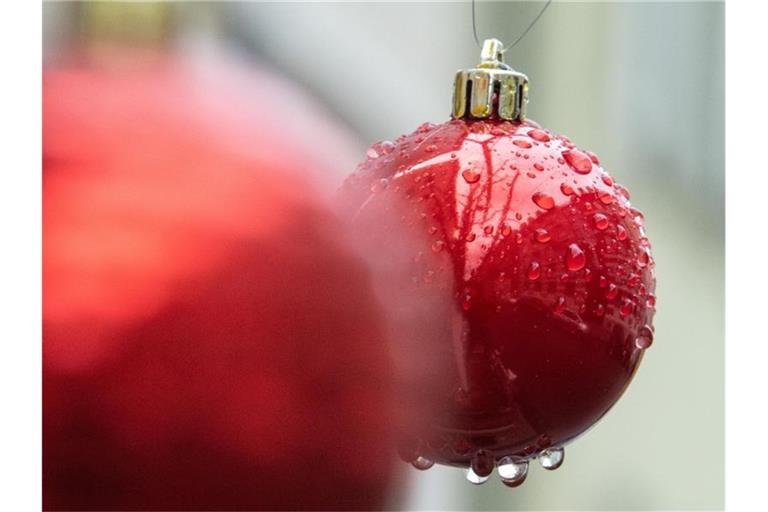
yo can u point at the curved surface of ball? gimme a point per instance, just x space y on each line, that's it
518 282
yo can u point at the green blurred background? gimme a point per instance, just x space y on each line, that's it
639 83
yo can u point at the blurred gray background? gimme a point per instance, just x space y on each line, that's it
642 85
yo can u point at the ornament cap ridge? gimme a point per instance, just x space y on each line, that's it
491 89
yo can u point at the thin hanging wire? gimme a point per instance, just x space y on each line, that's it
520 37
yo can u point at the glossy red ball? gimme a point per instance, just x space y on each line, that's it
518 282
210 342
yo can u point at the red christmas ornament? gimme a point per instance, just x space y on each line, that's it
517 276
210 342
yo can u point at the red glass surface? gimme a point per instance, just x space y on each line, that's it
517 279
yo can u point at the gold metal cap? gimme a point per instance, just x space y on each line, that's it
492 89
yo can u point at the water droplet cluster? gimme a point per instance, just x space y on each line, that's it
529 284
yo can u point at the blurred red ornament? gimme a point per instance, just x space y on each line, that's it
519 285
210 342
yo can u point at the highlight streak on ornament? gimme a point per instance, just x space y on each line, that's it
436 160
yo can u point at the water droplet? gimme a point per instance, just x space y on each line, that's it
611 292
543 201
566 189
538 166
506 230
476 479
560 305
431 148
627 307
470 237
534 271
621 232
551 458
522 143
488 230
644 337
482 463
578 161
539 135
642 259
437 246
379 185
651 301
605 197
543 236
593 157
607 180
602 281
470 176
599 310
623 191
425 127
422 463
512 473
575 259
432 230
601 221
380 148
